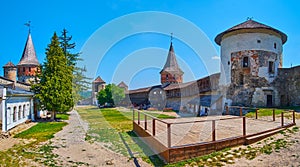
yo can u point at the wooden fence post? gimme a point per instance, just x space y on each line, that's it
213 130
241 111
138 117
145 122
244 126
256 113
273 114
282 119
153 127
227 110
169 134
294 121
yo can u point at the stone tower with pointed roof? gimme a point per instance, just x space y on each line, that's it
28 67
171 73
97 85
10 71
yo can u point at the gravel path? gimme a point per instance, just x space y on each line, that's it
72 148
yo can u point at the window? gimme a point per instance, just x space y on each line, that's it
19 112
24 69
167 77
275 46
228 62
24 111
258 41
15 114
241 79
245 62
29 69
271 67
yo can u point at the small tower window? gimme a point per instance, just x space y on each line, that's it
258 41
245 62
275 46
167 77
23 69
29 69
271 67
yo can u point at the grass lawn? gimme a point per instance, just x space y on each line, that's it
18 154
264 112
114 129
62 116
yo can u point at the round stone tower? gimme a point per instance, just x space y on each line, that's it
10 71
251 54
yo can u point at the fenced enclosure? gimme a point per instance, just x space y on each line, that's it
178 139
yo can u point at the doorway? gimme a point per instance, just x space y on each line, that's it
269 101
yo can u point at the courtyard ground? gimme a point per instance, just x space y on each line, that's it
73 149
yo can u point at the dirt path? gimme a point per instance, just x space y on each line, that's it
72 148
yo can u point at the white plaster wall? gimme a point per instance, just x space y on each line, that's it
247 41
16 102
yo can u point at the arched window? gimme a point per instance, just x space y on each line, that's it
24 107
8 115
19 112
15 114
167 77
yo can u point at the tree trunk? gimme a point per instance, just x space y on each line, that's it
53 115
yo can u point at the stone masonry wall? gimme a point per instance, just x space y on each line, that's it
288 85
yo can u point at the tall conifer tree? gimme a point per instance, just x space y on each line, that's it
79 82
54 90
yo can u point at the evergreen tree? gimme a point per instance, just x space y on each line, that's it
67 46
79 81
54 89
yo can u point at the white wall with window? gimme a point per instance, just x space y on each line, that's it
16 108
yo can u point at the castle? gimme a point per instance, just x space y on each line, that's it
251 75
16 99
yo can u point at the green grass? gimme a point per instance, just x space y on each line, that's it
62 116
264 112
41 132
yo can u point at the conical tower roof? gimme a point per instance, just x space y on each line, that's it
99 80
29 55
9 64
171 63
249 26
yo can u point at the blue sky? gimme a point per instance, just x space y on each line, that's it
86 20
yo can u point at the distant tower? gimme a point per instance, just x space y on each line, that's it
28 67
171 73
10 71
97 85
251 54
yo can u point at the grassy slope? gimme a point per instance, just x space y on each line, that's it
17 155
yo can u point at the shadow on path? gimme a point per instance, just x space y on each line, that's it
129 151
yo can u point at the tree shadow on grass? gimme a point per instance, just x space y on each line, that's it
154 158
